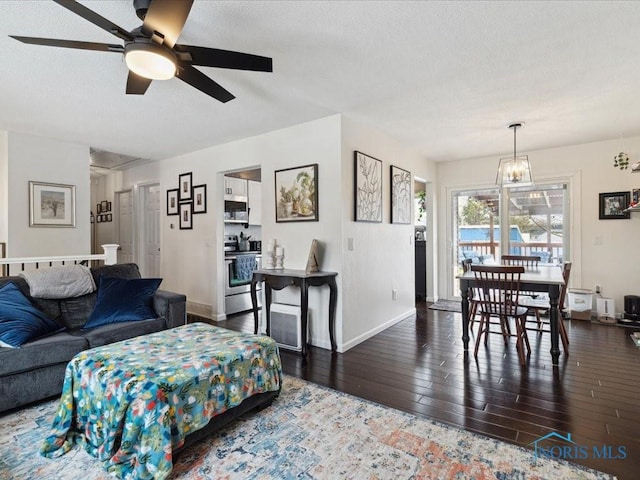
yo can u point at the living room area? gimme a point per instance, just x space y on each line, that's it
415 106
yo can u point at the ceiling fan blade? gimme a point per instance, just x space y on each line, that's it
96 19
167 18
199 80
52 42
137 85
213 57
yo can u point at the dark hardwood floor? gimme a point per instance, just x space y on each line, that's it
418 366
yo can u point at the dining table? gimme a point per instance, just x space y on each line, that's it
543 278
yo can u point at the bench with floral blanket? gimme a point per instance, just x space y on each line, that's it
132 403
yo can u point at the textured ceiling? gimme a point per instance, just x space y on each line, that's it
445 78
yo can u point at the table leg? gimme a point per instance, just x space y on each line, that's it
304 305
254 304
266 309
554 318
333 294
464 292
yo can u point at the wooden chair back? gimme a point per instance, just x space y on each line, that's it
522 260
566 272
498 289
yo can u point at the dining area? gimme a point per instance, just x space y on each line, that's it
520 294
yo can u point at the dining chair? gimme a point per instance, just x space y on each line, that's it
499 291
539 305
523 261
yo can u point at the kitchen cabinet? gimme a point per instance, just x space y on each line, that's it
255 202
235 186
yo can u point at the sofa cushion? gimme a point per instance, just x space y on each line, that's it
119 270
51 308
50 350
123 300
75 311
19 320
116 332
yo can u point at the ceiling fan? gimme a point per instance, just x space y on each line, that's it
151 51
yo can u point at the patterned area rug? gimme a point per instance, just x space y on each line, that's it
447 305
309 432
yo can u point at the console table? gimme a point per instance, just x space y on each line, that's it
279 279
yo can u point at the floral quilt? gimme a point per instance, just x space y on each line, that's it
132 403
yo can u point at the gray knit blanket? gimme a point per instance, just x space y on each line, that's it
68 281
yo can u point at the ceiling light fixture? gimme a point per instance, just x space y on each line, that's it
515 171
150 60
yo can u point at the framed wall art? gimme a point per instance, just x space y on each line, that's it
367 188
186 216
400 195
199 199
297 194
52 205
612 205
185 182
172 202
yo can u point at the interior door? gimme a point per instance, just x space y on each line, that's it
124 204
151 230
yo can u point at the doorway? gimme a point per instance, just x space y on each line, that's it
124 225
420 226
149 231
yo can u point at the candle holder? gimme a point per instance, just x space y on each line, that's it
279 262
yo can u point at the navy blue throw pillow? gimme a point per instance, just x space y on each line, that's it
123 300
20 321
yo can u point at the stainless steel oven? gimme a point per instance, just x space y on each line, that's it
237 288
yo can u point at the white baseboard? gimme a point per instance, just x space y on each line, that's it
200 309
365 336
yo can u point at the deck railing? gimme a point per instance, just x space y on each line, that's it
13 266
554 252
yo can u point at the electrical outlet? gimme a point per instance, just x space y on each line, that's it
598 288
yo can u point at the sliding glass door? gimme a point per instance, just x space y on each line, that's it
537 219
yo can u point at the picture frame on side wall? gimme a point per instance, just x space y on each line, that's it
367 188
612 206
185 182
199 199
172 202
52 205
400 181
186 216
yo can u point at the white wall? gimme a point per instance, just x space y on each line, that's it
613 264
383 255
4 190
45 160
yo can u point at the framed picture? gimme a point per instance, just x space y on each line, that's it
635 195
612 205
98 208
108 206
109 217
52 205
400 195
367 188
199 199
297 194
172 202
185 182
186 218
98 218
104 206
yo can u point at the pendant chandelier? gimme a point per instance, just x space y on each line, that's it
514 171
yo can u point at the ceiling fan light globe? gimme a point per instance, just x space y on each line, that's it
150 61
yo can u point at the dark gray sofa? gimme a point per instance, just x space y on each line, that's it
35 371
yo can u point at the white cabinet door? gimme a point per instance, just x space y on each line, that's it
235 186
255 203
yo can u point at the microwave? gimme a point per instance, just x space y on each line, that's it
236 209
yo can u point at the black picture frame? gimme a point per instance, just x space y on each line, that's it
400 184
172 202
109 217
185 184
296 194
186 216
98 218
367 187
104 206
199 199
108 206
612 206
98 208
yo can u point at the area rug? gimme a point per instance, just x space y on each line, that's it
447 305
310 432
